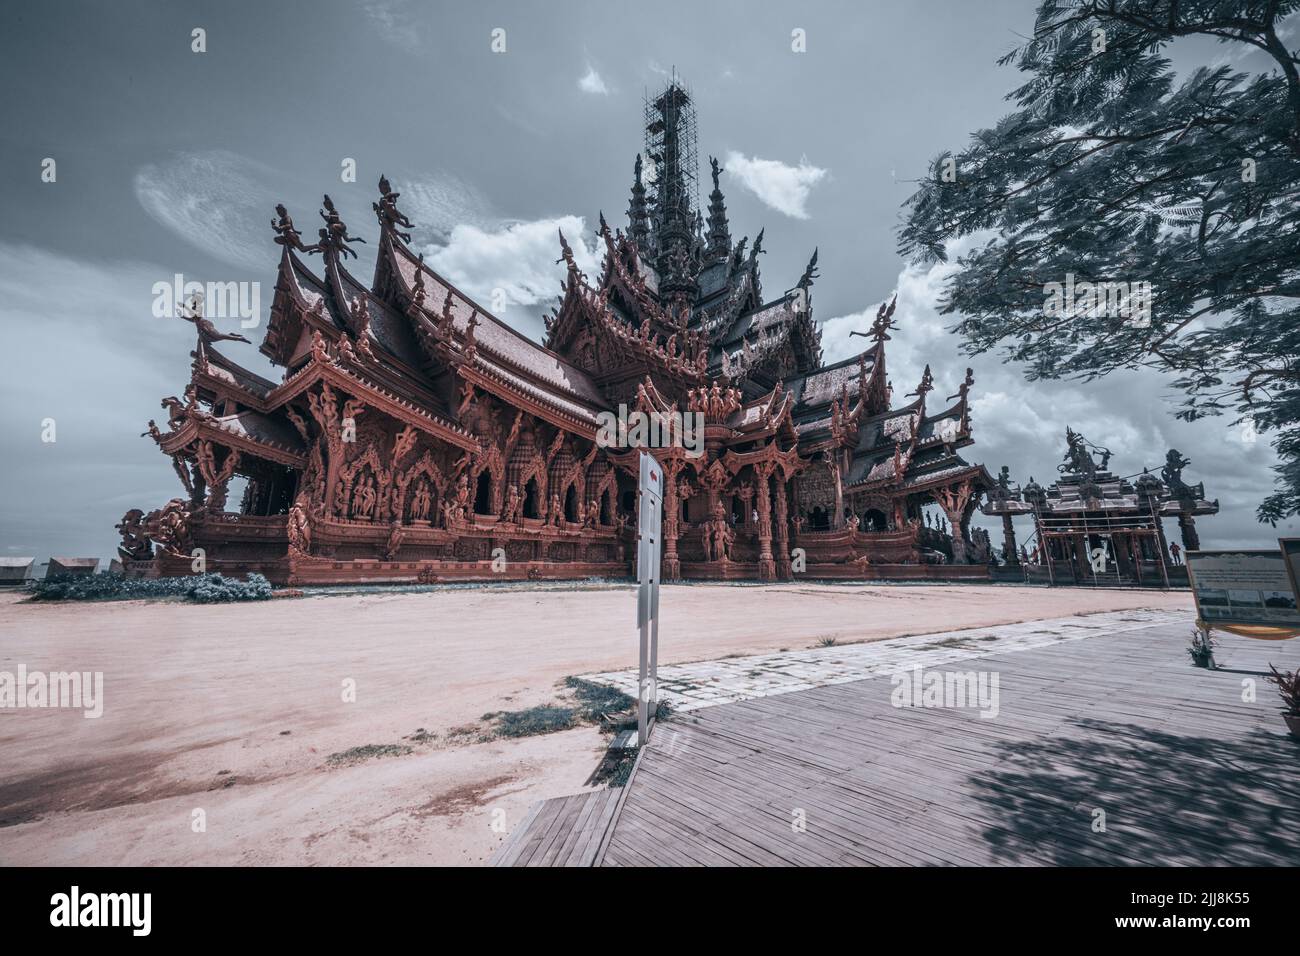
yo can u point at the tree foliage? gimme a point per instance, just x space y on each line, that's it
1115 168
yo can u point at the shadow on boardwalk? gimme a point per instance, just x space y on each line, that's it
1168 798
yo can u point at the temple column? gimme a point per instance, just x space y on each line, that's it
1187 526
782 532
1009 549
766 566
1122 555
839 498
1081 558
953 502
672 566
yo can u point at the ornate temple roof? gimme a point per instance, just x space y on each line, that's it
676 314
1088 487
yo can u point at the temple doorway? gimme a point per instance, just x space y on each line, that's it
530 499
483 494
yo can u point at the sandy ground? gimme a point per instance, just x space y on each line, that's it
233 710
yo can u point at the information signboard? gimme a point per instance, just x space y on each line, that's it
649 545
1247 590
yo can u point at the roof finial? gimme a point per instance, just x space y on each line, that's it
809 274
926 385
334 237
285 233
390 217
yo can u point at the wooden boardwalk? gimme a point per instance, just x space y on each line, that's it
562 831
1112 750
1183 769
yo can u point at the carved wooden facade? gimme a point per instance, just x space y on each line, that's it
416 437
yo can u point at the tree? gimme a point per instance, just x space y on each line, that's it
1113 169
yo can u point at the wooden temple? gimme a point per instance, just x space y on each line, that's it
414 436
1094 527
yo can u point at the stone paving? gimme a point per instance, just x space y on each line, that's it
706 683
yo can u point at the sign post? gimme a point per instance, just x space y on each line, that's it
649 545
1249 593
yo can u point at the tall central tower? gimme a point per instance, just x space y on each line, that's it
670 144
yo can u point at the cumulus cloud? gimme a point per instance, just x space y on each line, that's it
517 258
780 186
439 201
1022 424
591 82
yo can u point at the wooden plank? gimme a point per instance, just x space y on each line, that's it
1189 772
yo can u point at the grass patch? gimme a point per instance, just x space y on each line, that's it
616 768
597 701
355 755
543 719
825 642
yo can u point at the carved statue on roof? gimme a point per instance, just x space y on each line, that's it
286 234
335 234
319 348
175 411
738 254
192 312
1172 472
715 170
389 215
809 274
1002 490
758 247
883 324
926 384
566 256
361 321
964 388
1078 459
153 432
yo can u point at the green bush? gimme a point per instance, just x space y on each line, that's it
201 588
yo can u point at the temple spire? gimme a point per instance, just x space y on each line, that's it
671 145
638 216
719 235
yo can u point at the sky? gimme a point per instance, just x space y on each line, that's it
168 160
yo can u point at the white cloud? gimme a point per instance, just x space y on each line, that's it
438 202
214 200
591 82
518 258
782 187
